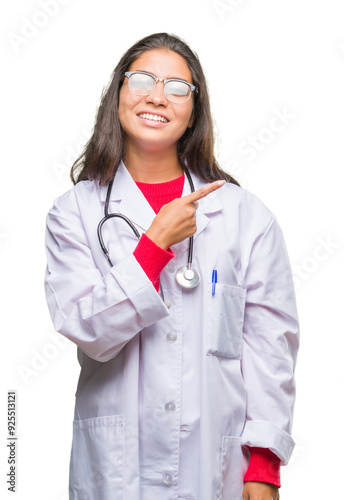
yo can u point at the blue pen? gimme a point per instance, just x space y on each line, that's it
214 281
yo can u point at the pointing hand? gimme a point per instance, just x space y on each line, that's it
176 220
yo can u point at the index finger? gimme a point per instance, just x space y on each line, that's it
204 191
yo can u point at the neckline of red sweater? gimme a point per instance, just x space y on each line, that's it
175 186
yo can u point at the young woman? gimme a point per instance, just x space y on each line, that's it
183 312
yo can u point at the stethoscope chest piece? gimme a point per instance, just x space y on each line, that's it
187 277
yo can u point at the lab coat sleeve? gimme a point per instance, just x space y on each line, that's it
101 314
270 344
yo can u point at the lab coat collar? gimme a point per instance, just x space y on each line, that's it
134 205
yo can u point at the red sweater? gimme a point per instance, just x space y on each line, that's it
264 465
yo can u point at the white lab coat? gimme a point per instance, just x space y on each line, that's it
171 392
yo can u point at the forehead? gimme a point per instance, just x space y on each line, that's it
163 64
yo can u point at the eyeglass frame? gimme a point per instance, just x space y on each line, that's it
193 88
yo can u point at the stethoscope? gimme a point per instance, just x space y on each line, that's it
186 276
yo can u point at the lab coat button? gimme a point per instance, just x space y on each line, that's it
168 303
167 478
170 407
170 267
171 337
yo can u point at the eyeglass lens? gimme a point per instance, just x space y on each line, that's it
175 91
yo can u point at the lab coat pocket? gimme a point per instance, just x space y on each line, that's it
96 466
233 463
225 321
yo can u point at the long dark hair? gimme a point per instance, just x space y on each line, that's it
105 149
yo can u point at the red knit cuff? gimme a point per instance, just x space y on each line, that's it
152 258
264 466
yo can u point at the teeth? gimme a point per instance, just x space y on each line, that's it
157 118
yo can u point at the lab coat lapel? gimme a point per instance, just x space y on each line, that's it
132 202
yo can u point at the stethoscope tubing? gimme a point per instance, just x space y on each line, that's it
191 239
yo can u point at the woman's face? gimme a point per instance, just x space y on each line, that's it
147 134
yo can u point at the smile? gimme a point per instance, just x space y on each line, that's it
156 118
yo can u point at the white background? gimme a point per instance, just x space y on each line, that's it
261 59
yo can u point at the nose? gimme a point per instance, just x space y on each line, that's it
157 97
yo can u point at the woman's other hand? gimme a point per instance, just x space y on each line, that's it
254 490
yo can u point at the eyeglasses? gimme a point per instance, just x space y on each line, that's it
175 90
